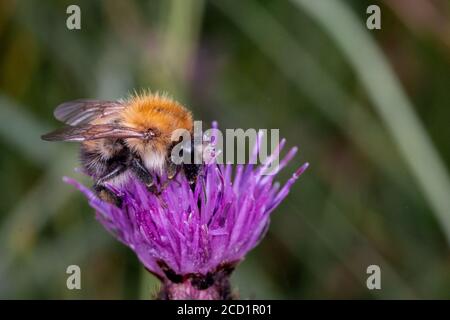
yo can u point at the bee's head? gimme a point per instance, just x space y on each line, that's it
150 134
152 141
151 149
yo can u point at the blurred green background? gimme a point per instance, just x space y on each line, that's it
368 109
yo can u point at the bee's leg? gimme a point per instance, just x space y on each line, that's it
104 193
142 173
107 195
172 170
191 173
113 171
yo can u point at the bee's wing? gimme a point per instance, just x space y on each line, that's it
80 112
91 132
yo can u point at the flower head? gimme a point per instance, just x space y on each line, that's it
196 237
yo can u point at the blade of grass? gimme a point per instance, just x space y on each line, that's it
180 32
39 19
23 132
389 100
270 36
305 72
35 209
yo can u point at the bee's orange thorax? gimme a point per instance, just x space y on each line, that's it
158 113
155 111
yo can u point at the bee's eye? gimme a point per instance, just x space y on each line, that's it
151 133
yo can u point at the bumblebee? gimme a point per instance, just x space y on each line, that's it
124 138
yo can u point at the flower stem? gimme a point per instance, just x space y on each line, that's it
186 290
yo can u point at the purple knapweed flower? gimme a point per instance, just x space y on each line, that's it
192 239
